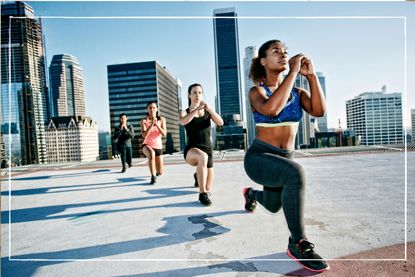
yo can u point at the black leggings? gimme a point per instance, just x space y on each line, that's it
126 154
283 181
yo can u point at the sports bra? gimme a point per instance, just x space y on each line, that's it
290 115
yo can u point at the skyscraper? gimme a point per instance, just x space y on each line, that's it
67 86
131 86
322 121
304 128
228 76
23 84
376 117
250 53
228 80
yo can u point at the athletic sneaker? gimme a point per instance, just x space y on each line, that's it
153 180
250 204
204 199
303 253
196 183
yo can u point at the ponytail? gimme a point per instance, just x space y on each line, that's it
257 71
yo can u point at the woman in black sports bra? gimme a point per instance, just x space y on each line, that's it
199 150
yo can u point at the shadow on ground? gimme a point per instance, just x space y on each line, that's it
47 213
209 229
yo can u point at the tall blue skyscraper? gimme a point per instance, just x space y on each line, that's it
228 75
229 102
322 121
24 98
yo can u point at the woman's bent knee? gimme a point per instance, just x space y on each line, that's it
203 159
296 174
273 208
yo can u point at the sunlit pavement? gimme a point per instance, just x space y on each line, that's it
92 220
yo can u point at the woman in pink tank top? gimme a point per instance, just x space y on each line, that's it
152 128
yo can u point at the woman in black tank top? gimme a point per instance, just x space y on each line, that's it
199 150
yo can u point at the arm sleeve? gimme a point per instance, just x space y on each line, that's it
130 131
116 134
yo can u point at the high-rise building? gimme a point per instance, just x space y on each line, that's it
376 117
250 53
228 76
24 97
66 86
105 145
303 135
183 138
229 102
231 135
413 124
131 86
72 138
322 121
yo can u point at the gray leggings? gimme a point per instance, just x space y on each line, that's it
283 181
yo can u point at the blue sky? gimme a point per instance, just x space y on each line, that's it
355 55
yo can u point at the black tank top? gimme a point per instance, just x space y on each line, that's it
198 132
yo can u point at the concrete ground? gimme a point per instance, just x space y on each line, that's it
96 221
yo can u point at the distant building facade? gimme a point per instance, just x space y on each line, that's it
231 135
66 86
335 139
302 139
376 117
250 53
131 86
322 121
72 138
413 124
105 145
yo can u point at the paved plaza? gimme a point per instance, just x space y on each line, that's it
92 220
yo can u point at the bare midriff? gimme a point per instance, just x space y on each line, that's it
279 136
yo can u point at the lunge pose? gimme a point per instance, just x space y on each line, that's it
122 139
277 108
153 127
198 151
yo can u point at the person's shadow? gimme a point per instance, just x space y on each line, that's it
57 211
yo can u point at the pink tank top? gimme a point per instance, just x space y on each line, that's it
153 138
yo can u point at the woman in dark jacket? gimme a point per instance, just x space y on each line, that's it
122 139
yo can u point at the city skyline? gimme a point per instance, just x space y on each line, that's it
389 67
